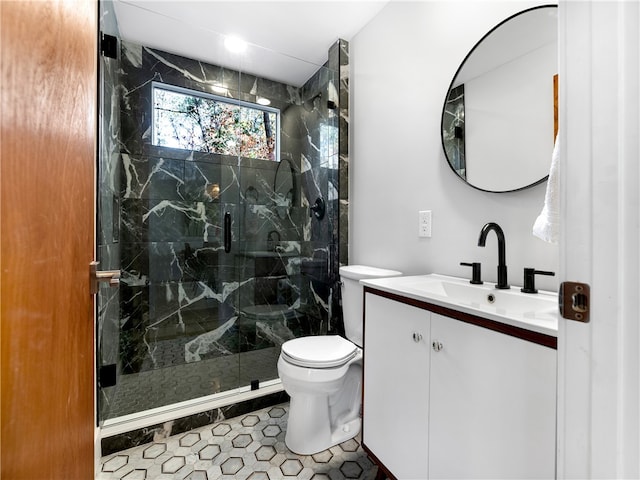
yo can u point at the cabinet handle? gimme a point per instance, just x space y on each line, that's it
437 346
417 337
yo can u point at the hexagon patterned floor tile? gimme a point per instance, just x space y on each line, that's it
250 447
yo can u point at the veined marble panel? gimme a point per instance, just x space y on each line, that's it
183 299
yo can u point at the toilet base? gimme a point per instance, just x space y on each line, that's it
346 432
307 435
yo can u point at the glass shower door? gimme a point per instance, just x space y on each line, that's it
222 258
285 247
168 217
107 221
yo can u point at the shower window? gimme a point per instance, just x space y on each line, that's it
329 141
193 120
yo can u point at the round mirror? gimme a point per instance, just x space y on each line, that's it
500 114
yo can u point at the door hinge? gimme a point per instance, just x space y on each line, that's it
109 46
574 300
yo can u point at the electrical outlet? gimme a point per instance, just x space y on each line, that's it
424 223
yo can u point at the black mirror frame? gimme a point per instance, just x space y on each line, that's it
455 75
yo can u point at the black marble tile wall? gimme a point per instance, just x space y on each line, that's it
339 61
183 299
343 166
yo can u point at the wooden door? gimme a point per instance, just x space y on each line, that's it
47 165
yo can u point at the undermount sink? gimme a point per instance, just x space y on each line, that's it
537 312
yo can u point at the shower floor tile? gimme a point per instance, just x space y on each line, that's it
249 447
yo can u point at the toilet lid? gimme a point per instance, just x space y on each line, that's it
325 351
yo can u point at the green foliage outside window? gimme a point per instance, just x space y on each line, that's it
211 124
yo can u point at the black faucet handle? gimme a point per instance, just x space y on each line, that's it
476 276
530 279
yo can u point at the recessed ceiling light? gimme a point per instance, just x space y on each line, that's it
263 101
235 44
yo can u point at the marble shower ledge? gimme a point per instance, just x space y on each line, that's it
268 254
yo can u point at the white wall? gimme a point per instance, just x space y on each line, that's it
402 63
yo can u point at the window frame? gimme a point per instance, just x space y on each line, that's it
218 98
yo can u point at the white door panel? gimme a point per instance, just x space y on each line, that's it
599 124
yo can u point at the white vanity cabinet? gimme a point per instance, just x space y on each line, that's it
445 398
396 386
492 404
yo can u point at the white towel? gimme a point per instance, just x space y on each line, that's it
547 225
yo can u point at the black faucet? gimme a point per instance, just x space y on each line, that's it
502 264
530 279
476 272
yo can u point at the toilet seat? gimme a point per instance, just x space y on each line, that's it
326 351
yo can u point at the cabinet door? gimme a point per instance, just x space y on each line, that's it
492 404
396 386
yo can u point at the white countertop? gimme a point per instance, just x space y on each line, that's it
535 312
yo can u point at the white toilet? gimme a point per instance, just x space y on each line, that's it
323 374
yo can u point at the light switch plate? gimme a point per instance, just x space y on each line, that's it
424 223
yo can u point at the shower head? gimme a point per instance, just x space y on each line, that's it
310 104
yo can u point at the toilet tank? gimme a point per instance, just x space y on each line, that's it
352 296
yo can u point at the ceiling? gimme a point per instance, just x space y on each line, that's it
288 40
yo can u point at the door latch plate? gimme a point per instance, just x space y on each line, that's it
574 301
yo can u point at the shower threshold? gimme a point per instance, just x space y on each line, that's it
155 416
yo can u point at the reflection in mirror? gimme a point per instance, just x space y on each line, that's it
498 117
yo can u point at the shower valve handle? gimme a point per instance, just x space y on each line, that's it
318 208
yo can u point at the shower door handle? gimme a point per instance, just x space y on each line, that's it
96 276
227 232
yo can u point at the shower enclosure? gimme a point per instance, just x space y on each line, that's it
228 243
